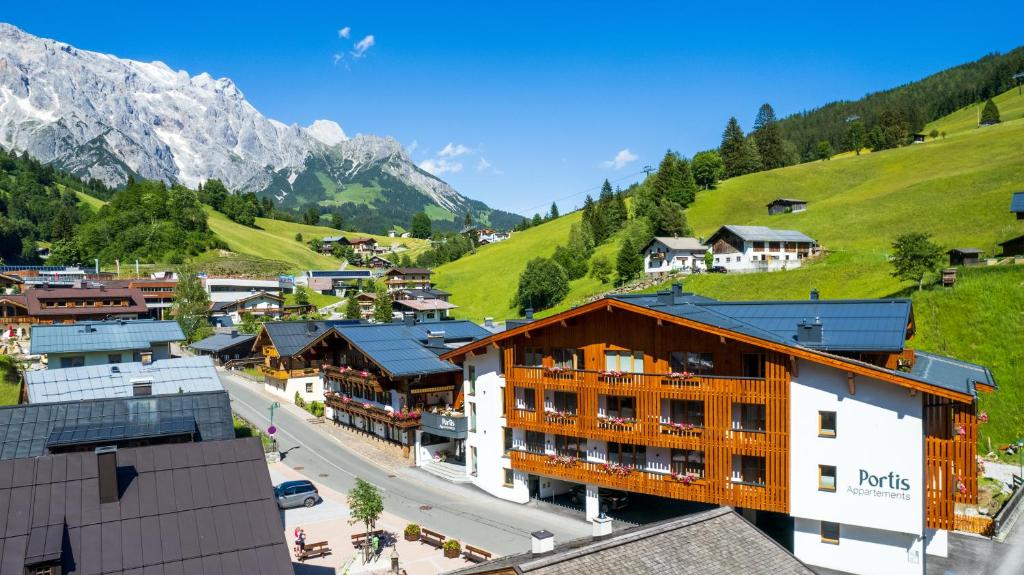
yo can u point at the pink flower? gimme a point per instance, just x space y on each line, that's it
961 430
983 417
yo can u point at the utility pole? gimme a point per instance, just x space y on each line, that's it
648 169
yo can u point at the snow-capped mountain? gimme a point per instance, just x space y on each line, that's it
104 117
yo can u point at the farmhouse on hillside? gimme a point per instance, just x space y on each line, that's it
785 206
759 248
671 254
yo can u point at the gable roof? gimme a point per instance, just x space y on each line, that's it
952 373
291 337
338 273
166 376
409 271
965 251
761 330
221 341
103 336
713 542
683 244
762 234
786 201
35 296
184 508
17 299
225 305
426 304
426 293
401 349
26 430
1017 202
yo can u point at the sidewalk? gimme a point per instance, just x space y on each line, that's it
329 521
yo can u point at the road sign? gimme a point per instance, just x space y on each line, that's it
271 430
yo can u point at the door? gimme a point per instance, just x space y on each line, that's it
291 497
533 484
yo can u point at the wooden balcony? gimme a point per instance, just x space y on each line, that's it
611 383
354 406
284 374
706 490
351 376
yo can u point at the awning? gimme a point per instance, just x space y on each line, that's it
438 389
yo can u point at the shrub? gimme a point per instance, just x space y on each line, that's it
452 545
316 408
412 530
299 401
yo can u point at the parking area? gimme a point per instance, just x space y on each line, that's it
626 508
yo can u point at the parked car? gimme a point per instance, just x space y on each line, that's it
718 270
296 494
611 500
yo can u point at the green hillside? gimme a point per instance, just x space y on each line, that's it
1011 107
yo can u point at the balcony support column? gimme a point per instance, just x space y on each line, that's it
593 507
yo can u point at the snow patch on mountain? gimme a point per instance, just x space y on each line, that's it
327 132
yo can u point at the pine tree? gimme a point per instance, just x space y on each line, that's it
64 221
739 155
537 220
684 187
769 139
383 311
856 137
671 220
990 113
629 263
191 305
420 226
352 308
337 221
554 211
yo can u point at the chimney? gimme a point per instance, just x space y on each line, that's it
488 322
814 294
234 333
528 313
808 332
602 526
409 318
542 542
664 298
435 338
677 290
106 466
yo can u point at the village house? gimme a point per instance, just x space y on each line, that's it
53 276
335 282
377 262
407 278
68 305
9 283
188 508
178 375
361 246
104 342
157 293
424 309
811 416
266 306
367 302
486 236
225 347
786 206
233 289
759 249
426 293
663 255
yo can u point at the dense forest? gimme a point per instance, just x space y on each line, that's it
146 220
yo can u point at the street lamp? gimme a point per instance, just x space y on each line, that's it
1020 454
271 430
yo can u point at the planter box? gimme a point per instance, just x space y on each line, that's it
412 537
452 553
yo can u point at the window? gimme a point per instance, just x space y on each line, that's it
567 446
309 387
753 365
627 454
626 361
826 424
620 406
686 411
688 461
751 469
44 570
564 401
533 356
471 378
507 431
471 417
509 477
568 358
74 361
748 417
826 478
142 388
114 358
535 442
526 398
830 532
700 363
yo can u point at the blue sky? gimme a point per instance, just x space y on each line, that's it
518 105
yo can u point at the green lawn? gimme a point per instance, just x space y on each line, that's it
93 202
355 193
10 382
316 298
1010 104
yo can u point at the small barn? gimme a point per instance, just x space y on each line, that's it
1014 247
964 256
785 206
919 138
1017 204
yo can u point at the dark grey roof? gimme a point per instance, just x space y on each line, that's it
786 201
403 350
950 373
966 251
847 325
103 336
183 508
763 234
714 542
25 429
1017 202
165 376
222 341
431 293
289 337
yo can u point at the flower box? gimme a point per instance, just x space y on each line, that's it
616 469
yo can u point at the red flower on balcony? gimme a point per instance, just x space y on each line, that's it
983 417
961 487
961 431
554 369
684 478
680 375
612 373
616 469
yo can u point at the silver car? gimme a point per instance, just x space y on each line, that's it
296 494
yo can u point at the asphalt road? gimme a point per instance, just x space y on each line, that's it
460 511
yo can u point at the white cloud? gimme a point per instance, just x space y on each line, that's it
482 165
338 57
454 151
620 160
412 147
345 32
360 47
439 166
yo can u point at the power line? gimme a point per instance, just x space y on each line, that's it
534 209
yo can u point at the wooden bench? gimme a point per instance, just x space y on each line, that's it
432 538
318 549
476 555
359 538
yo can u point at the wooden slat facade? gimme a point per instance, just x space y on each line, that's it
951 449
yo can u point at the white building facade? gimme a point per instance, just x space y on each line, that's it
664 255
741 249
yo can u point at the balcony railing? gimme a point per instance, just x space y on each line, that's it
288 373
351 376
403 419
579 378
